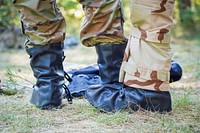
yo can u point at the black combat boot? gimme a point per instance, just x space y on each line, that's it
108 96
112 96
46 63
153 100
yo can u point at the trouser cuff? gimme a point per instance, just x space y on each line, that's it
146 65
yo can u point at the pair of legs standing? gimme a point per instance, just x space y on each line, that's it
144 71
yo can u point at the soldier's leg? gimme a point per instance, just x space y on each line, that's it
44 27
103 28
147 61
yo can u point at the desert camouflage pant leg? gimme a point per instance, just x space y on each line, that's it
147 59
103 22
42 22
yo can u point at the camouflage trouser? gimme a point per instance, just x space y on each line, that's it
103 22
148 56
43 23
147 59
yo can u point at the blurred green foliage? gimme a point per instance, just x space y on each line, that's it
8 15
73 14
187 18
186 14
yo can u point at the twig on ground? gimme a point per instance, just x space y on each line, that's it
16 76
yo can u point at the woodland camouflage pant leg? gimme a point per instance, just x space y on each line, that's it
147 58
42 22
103 22
103 28
44 28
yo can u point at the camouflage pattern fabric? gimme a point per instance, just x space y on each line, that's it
148 55
42 22
103 22
147 59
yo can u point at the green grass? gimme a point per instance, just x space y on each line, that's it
18 115
118 118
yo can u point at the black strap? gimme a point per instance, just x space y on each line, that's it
67 77
67 94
